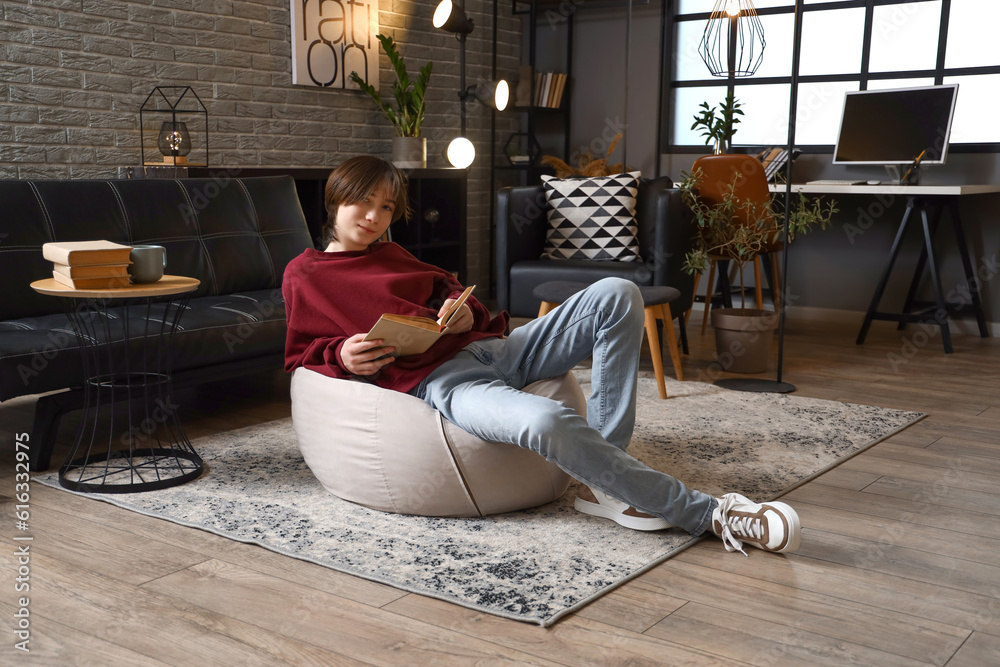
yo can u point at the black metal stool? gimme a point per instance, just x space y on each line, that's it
656 302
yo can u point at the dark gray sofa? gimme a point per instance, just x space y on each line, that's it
236 235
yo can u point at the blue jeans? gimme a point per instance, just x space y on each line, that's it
479 390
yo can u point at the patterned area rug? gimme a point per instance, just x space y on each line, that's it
535 565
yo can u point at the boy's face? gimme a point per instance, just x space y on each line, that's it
359 225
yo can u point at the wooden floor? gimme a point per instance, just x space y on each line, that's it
900 558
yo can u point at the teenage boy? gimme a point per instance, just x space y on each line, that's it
474 375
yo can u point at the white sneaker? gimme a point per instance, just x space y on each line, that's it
771 526
597 503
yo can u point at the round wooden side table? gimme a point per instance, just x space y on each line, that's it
125 336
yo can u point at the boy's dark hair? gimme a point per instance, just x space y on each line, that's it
357 178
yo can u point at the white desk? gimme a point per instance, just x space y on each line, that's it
929 201
890 188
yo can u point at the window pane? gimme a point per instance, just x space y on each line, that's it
765 115
688 63
975 93
820 106
687 103
972 34
777 45
831 41
905 37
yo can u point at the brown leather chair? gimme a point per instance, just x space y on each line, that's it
745 175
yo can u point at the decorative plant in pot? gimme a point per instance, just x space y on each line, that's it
409 149
738 230
719 130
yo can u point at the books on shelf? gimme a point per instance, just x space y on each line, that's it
549 89
412 335
89 264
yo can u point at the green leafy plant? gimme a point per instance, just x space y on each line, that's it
718 129
739 230
408 114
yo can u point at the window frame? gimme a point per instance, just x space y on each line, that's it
732 85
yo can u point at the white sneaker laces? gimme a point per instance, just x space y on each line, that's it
733 528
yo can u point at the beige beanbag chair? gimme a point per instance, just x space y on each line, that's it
393 452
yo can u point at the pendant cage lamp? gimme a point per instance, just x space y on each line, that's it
733 42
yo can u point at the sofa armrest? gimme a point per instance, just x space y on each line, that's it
520 233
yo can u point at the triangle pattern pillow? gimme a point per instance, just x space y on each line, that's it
592 217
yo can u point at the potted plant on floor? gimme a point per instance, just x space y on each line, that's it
738 230
409 149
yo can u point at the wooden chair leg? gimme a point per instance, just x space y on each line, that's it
758 291
694 295
546 308
708 295
654 347
668 329
775 283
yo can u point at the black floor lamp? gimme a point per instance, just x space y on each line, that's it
758 384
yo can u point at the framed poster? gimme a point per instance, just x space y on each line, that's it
332 38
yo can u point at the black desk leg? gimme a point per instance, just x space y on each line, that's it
941 315
884 280
919 271
970 274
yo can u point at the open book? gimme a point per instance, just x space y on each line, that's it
410 334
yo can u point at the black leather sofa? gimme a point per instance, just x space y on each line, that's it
665 231
234 234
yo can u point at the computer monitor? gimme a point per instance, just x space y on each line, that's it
896 126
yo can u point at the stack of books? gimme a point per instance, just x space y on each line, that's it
89 264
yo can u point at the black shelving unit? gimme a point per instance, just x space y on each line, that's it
436 232
534 120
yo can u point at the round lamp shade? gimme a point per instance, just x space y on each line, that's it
461 152
448 16
501 95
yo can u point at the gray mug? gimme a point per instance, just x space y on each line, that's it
148 262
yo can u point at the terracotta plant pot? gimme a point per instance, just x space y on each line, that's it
743 338
409 152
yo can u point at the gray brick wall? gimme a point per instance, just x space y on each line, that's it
73 74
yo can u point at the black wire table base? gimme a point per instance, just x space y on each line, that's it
131 472
130 439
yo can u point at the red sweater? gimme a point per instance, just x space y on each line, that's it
331 296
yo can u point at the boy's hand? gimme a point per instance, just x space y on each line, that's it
461 321
365 357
